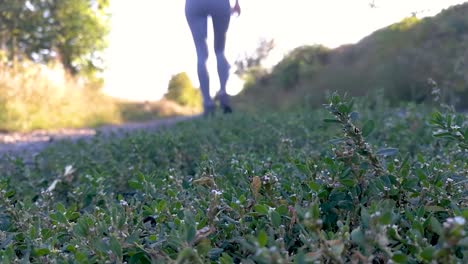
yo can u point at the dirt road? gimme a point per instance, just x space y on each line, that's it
31 143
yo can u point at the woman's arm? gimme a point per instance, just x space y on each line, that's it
236 8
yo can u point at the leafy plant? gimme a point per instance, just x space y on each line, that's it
280 187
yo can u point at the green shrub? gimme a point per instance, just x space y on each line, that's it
399 58
181 91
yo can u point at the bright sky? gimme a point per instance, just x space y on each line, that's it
150 39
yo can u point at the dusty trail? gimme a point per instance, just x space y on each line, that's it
29 144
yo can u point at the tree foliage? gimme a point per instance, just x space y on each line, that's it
252 62
181 91
302 61
70 31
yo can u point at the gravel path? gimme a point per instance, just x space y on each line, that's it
19 144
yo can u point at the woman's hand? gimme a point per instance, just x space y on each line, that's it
236 8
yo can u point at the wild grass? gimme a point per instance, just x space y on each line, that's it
34 96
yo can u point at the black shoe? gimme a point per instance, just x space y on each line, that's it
226 109
224 102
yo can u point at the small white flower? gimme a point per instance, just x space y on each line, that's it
216 192
460 220
69 170
123 203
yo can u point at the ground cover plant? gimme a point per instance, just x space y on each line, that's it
354 182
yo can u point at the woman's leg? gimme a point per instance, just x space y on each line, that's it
197 18
221 15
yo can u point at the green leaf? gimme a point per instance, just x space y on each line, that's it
400 258
315 210
140 258
161 205
347 182
141 177
262 238
190 233
46 233
421 175
443 134
81 257
436 227
215 253
417 227
314 186
335 99
387 152
10 194
260 208
303 168
465 213
135 185
368 128
242 199
434 208
70 248
334 121
226 259
344 109
81 228
41 252
357 236
60 208
275 219
115 247
437 119
171 193
427 253
58 217
386 218
72 216
282 210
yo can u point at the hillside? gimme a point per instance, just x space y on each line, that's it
398 59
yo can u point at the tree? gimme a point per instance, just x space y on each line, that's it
181 91
72 32
80 27
250 63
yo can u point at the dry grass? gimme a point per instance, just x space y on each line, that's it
143 111
33 96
